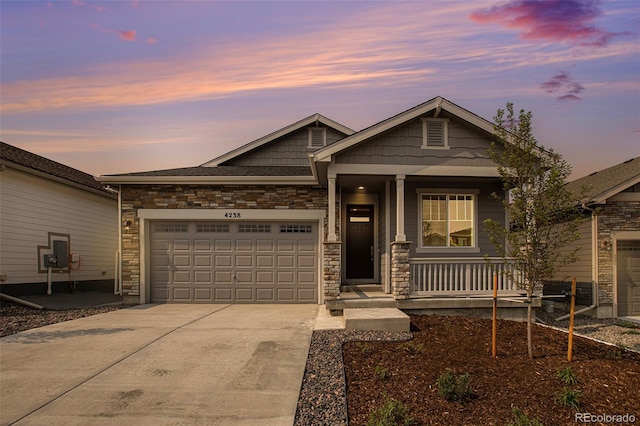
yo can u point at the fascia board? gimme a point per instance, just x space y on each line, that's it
208 180
601 198
326 153
275 135
44 175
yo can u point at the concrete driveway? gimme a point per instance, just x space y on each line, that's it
159 365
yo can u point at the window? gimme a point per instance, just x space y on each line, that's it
296 229
172 227
435 133
448 220
251 228
317 137
212 227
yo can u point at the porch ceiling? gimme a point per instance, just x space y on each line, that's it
351 183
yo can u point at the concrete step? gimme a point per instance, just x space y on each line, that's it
382 319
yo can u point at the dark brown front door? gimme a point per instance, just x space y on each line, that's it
359 242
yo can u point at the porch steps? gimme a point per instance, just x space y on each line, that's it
381 319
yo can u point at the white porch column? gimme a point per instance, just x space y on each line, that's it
400 235
331 234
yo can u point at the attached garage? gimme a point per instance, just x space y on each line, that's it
233 262
628 277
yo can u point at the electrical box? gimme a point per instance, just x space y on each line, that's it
50 261
61 251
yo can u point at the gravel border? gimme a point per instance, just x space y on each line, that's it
323 395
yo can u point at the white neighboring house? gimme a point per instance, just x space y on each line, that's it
47 208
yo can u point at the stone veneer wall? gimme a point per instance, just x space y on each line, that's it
400 269
612 217
135 197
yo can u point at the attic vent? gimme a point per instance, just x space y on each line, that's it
434 133
317 137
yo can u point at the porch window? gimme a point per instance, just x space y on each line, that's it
448 220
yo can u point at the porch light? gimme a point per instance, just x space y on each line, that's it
361 187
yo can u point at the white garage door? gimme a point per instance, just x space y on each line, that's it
628 277
234 262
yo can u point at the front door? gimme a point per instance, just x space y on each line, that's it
359 242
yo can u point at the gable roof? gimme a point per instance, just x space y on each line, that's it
315 118
436 104
19 159
608 182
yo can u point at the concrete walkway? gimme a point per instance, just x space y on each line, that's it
159 365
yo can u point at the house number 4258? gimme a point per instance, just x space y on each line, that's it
232 215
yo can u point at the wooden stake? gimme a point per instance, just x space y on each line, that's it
494 328
571 313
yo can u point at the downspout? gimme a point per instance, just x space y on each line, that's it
594 264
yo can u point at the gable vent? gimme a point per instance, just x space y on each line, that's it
317 137
434 133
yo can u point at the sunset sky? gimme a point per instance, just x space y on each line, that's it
122 86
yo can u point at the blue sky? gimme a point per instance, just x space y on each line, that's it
122 86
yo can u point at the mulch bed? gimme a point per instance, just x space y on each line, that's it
608 376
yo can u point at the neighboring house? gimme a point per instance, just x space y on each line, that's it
296 214
49 209
609 256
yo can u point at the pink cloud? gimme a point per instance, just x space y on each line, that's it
562 82
552 20
151 40
127 35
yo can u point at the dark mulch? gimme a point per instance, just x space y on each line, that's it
15 318
608 376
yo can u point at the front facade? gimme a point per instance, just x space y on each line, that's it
49 209
609 257
296 215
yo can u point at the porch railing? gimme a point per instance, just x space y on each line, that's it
458 276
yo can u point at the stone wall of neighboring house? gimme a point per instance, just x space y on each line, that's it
612 217
135 197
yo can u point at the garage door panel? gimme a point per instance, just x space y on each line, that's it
202 245
182 294
286 294
223 245
286 261
264 277
182 277
244 261
306 295
628 277
264 261
265 295
226 262
223 295
202 261
244 295
182 260
202 295
285 277
181 245
202 277
222 261
222 277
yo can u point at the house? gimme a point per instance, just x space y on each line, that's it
296 215
608 266
55 221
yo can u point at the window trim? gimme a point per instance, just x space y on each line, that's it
448 249
425 133
324 137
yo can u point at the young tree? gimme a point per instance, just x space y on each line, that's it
543 215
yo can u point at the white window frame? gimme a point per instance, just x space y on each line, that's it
324 137
448 249
425 133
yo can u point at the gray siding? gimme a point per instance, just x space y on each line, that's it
290 150
582 268
487 208
403 146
